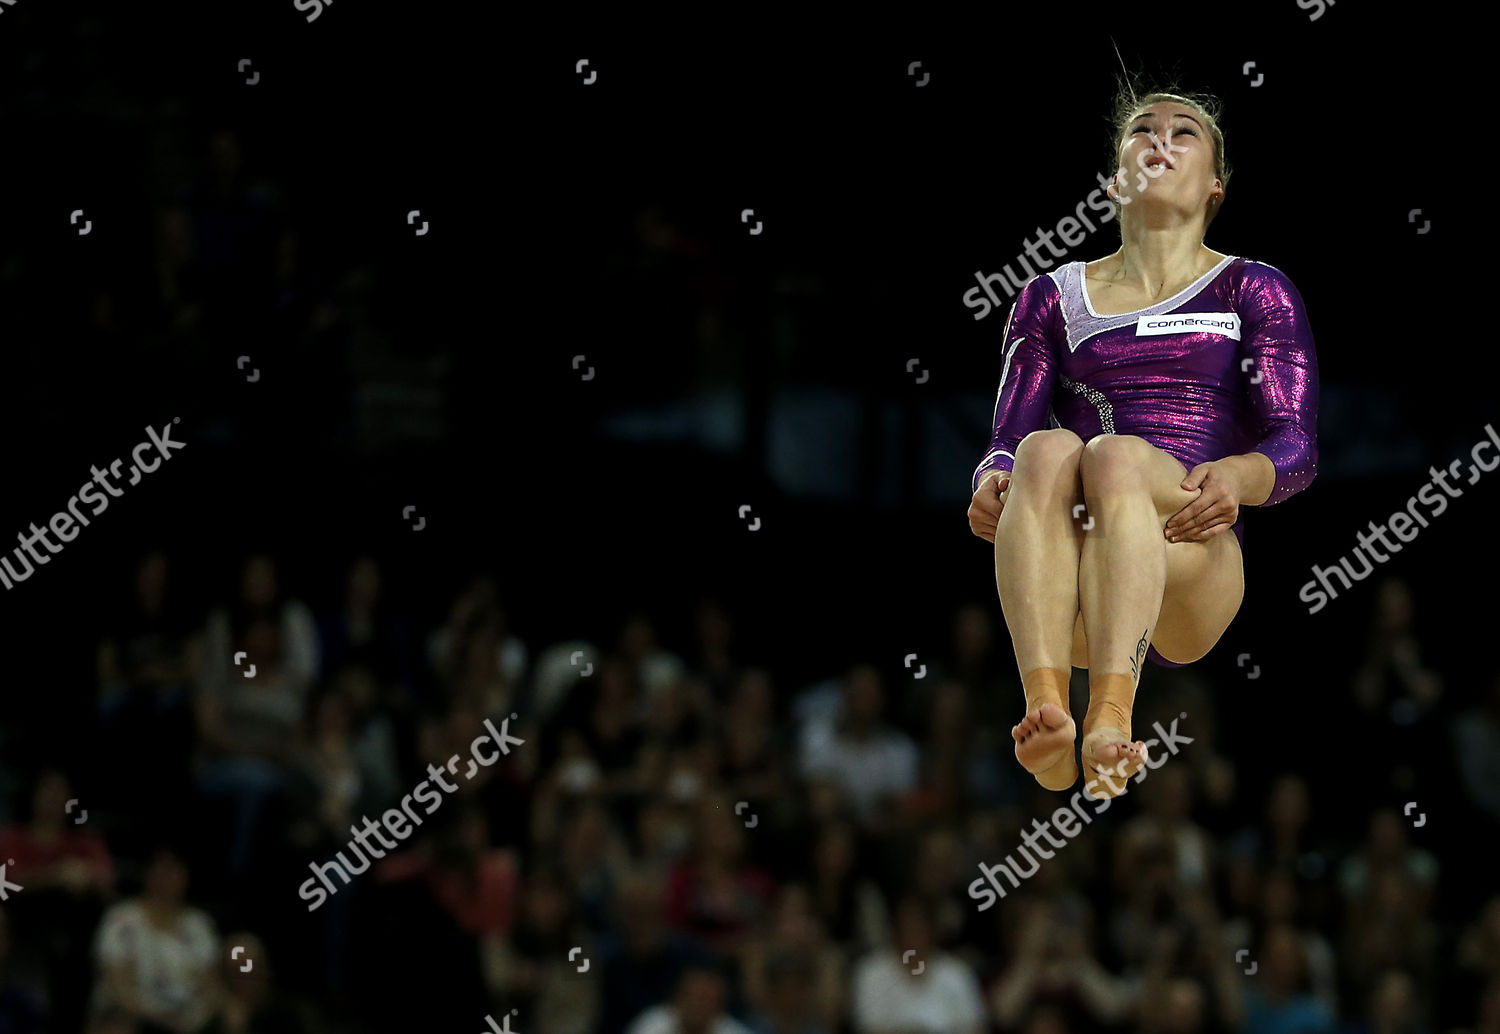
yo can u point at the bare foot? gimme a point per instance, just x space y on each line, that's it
1044 746
1110 760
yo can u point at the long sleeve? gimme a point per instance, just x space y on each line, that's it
1281 377
1024 399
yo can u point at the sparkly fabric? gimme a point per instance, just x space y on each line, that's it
1198 395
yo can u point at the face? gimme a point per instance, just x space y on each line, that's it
364 581
260 581
167 877
699 1000
51 797
1166 161
863 697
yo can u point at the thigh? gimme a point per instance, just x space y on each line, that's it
1205 580
1205 585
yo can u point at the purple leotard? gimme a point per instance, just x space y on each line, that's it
1224 367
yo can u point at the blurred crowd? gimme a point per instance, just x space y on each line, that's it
688 843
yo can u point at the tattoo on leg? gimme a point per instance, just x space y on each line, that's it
1140 653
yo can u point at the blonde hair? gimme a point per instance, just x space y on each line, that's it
1208 109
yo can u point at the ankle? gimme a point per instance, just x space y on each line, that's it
1111 699
1046 686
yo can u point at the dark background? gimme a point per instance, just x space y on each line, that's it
731 369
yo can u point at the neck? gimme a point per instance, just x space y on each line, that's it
1156 257
160 910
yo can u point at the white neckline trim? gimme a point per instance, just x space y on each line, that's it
1194 287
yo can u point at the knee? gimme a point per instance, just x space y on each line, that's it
1043 455
1114 463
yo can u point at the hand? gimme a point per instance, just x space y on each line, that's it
1214 511
989 500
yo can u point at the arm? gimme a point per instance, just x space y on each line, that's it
1281 383
1026 379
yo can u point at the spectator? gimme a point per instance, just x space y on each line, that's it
363 633
1391 682
68 873
248 723
535 969
1280 904
1285 838
1393 1008
1180 1009
147 665
790 1000
1388 847
794 940
873 763
1280 1002
641 960
650 665
450 650
1187 943
473 882
697 1007
914 987
713 893
50 851
1478 953
1052 964
1166 800
713 662
1476 744
158 956
251 1004
844 900
1387 927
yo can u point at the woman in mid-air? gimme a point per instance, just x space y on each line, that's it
1145 398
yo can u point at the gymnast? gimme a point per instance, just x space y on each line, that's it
1145 398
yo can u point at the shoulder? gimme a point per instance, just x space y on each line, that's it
119 917
1254 279
1044 289
1038 305
871 966
199 923
655 1020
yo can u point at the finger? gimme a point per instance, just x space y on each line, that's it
1187 515
1205 532
1219 512
1198 524
1192 504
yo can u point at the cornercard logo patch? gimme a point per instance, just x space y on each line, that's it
1226 323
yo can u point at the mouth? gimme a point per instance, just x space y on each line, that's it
1156 160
